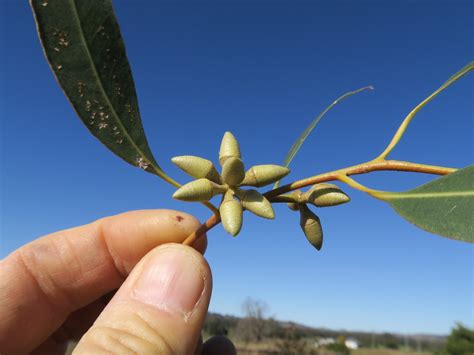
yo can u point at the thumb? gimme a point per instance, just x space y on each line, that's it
159 309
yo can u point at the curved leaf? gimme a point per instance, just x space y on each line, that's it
444 206
84 47
401 130
302 138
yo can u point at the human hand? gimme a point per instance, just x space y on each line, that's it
58 288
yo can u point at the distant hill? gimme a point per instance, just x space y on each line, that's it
218 324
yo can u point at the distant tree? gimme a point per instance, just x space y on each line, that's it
459 342
216 325
273 329
390 341
340 346
292 343
253 326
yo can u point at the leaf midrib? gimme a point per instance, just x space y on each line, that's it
415 195
114 113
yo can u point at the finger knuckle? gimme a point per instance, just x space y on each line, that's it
133 337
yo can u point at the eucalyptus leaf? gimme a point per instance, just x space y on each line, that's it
85 49
444 206
302 138
401 130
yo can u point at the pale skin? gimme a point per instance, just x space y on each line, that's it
123 284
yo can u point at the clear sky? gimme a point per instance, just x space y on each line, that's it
263 69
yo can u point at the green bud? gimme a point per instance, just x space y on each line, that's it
295 196
261 175
229 148
256 203
199 190
325 195
231 214
293 199
197 167
311 226
233 171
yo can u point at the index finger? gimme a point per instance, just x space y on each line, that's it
46 280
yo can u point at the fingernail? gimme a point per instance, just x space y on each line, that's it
171 280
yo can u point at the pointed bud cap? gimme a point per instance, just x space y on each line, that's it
326 195
197 167
261 175
256 203
229 148
198 190
311 226
233 171
231 214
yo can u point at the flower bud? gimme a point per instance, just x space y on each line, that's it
231 214
261 175
199 190
229 148
296 196
233 171
311 226
197 167
325 195
256 203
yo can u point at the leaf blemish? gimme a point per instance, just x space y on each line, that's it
142 163
80 90
451 210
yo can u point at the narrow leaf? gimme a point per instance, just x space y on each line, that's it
459 74
301 139
84 47
401 130
444 206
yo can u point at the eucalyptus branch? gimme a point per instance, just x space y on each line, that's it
98 82
203 228
343 175
358 186
387 165
336 175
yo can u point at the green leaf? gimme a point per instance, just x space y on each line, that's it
455 77
302 138
444 206
84 47
401 130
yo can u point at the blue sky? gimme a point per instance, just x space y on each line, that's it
263 70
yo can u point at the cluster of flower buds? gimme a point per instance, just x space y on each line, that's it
320 195
233 176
